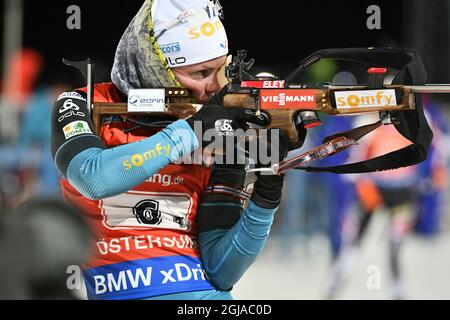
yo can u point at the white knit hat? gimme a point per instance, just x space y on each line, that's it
189 31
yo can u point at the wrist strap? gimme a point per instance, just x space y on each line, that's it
263 202
240 194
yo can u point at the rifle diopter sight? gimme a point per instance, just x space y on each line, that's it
236 71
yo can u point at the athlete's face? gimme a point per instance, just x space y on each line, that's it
201 78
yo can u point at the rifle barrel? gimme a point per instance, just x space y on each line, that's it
428 88
431 88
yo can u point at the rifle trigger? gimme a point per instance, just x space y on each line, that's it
255 94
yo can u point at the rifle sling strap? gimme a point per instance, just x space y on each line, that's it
412 124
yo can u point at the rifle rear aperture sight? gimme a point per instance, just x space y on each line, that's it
237 70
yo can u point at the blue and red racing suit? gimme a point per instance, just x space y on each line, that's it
143 208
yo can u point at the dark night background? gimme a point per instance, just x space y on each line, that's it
276 35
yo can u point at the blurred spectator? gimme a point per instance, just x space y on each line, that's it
404 193
39 242
303 210
20 80
27 168
434 170
35 127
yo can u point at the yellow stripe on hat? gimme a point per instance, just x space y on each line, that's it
158 50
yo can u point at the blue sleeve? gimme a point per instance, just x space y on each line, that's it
99 173
227 254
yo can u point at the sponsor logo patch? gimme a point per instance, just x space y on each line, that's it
171 48
135 279
69 114
72 95
176 61
147 212
276 99
274 84
207 29
76 128
365 98
143 210
68 105
138 159
224 127
146 100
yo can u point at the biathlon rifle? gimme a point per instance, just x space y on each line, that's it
396 80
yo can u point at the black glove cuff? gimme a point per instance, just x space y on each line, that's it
263 202
228 175
267 191
218 197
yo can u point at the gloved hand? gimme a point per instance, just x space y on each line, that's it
268 187
214 116
217 98
208 116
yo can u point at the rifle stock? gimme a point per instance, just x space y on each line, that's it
177 110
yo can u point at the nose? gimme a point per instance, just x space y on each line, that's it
213 86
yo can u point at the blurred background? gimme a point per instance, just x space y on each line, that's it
378 236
